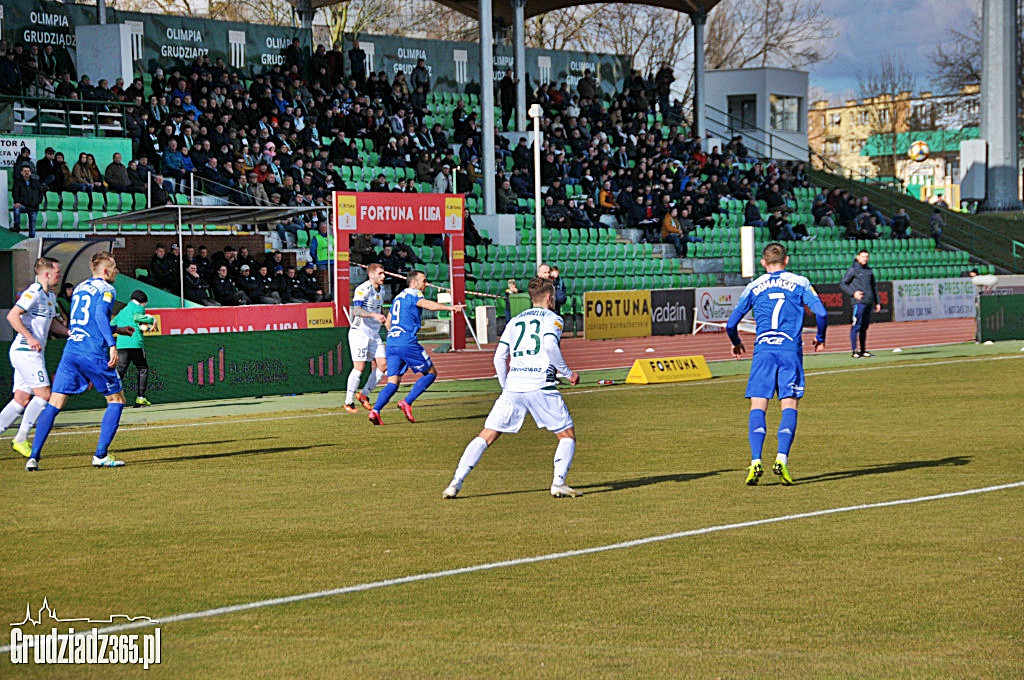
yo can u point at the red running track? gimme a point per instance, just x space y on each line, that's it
590 355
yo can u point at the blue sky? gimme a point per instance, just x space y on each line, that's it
869 28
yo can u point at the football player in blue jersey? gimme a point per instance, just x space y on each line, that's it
778 300
90 356
403 350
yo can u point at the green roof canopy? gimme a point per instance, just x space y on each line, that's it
938 141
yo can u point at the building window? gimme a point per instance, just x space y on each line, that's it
837 119
742 112
863 117
883 117
832 147
785 113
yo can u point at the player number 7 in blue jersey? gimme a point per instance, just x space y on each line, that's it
777 300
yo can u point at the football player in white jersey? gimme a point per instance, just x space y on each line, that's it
364 342
528 362
31 319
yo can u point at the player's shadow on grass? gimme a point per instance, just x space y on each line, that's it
617 485
474 416
152 447
89 450
225 454
884 469
621 484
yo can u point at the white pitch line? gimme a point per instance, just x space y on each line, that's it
228 420
489 566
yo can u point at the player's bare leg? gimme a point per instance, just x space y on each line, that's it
564 454
470 457
41 397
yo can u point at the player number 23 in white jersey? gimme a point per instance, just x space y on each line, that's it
530 366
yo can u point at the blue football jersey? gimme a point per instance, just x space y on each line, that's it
778 301
405 317
92 305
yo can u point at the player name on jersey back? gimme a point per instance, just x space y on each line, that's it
530 367
778 301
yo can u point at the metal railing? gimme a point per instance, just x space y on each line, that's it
761 143
45 116
959 231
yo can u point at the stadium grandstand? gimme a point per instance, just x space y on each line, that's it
614 164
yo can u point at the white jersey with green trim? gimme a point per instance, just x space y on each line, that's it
532 365
40 309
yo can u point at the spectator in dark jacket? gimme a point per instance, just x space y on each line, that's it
291 287
163 270
197 289
901 224
27 195
311 287
47 169
268 293
116 175
224 289
752 214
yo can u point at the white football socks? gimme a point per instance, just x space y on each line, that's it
353 385
372 381
9 414
470 457
563 460
28 421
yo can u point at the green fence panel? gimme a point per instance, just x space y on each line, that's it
199 367
1001 317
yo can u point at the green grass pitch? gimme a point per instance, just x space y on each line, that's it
219 511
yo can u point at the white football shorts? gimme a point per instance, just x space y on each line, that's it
546 406
29 370
363 345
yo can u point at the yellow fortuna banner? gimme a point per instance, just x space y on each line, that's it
616 314
668 369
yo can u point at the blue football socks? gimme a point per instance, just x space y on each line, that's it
108 427
757 429
385 396
425 381
787 428
43 427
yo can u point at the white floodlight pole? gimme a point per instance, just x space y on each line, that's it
536 111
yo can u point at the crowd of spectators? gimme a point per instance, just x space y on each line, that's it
283 138
232 276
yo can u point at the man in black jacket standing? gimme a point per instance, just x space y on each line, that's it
27 195
859 284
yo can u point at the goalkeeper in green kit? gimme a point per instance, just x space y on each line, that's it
131 348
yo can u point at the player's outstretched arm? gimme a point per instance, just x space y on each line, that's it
437 306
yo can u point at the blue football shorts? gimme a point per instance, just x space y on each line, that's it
402 358
776 372
76 372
